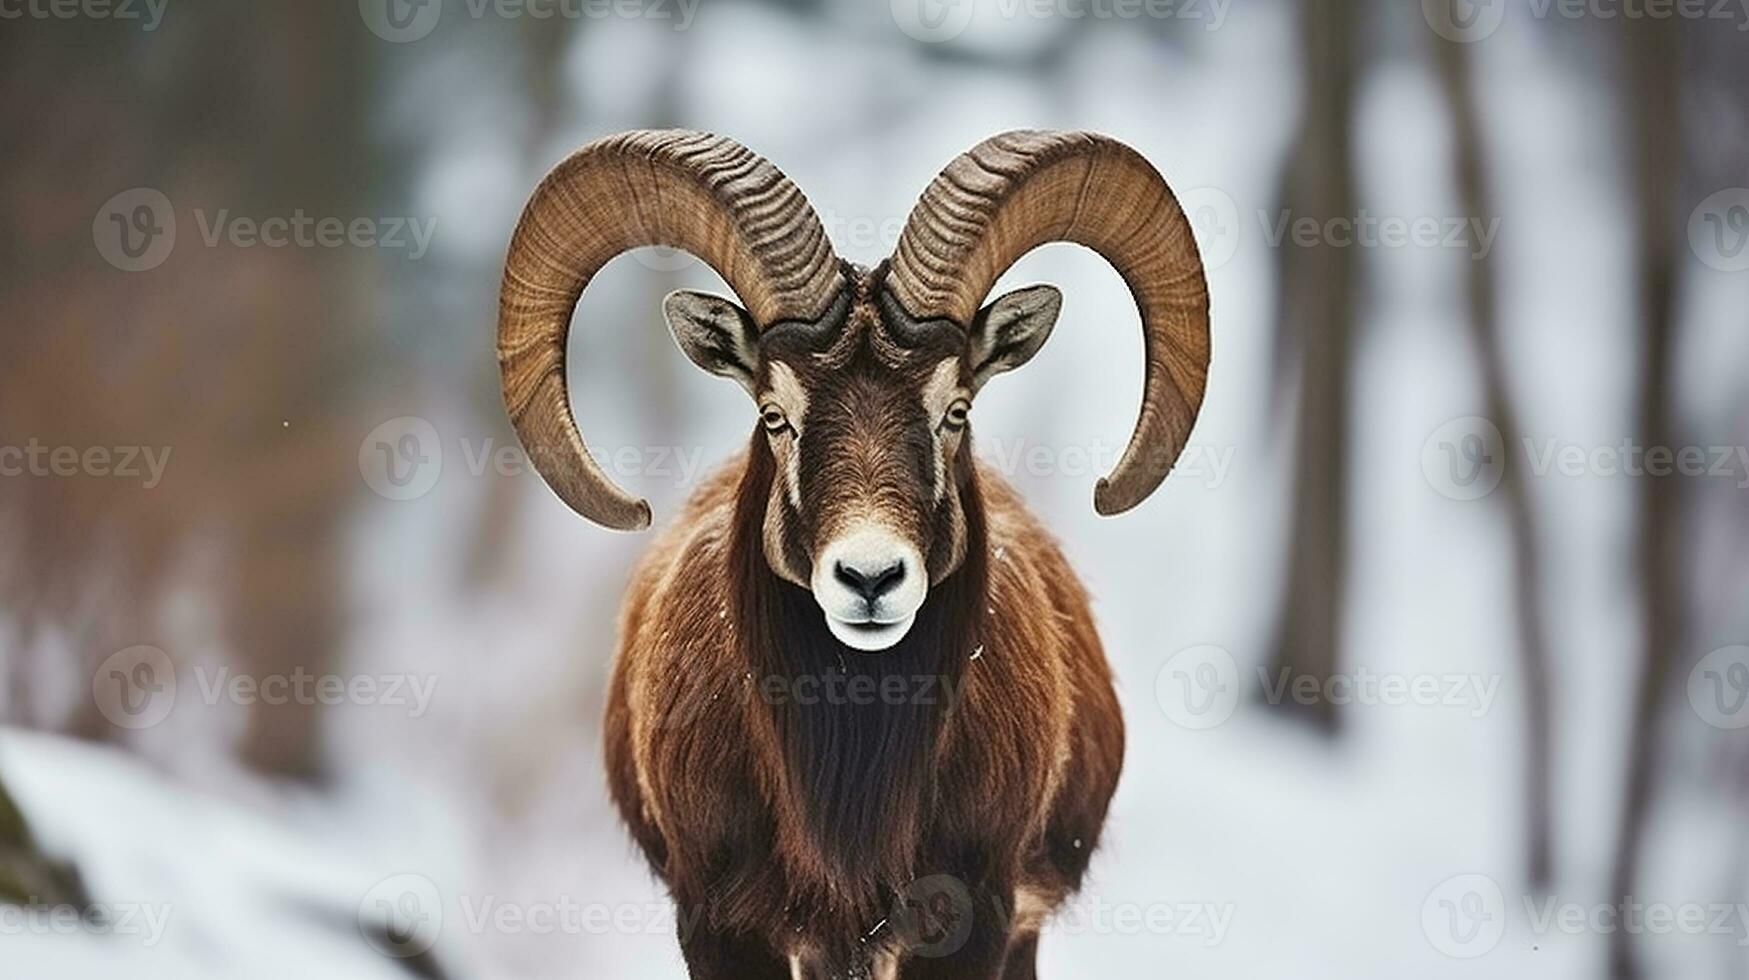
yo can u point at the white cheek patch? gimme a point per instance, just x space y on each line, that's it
788 394
940 391
792 474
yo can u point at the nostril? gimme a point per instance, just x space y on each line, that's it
887 581
850 576
870 587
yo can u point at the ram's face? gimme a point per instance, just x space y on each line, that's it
866 418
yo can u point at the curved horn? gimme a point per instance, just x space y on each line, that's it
1014 192
694 191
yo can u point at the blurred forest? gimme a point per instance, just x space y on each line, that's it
1596 316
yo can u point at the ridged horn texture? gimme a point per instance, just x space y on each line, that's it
694 191
1019 190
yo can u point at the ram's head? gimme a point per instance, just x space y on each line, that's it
862 380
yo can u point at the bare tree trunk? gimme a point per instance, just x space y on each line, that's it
1318 286
1477 197
1653 52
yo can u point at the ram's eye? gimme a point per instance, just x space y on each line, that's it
955 419
773 418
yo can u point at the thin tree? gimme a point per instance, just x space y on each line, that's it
1485 327
1315 321
1653 50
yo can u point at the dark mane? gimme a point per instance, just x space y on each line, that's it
862 775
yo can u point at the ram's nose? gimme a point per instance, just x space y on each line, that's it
871 579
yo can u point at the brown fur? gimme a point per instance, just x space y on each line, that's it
792 831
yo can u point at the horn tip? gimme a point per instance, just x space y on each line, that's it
635 518
641 519
1105 502
615 515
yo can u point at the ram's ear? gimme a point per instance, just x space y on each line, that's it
1008 332
715 333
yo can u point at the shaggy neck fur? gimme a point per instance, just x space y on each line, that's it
859 778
